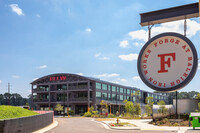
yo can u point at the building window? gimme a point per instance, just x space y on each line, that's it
124 91
104 96
121 90
121 98
133 99
128 91
98 95
108 87
113 88
117 89
109 96
128 98
113 97
98 85
104 87
124 97
133 92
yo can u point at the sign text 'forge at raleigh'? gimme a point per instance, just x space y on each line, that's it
167 62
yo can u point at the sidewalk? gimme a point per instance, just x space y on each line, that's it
143 125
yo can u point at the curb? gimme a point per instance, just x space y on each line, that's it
119 128
47 128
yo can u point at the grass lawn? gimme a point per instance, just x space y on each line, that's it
8 112
122 124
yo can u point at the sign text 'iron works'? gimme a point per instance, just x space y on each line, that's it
167 62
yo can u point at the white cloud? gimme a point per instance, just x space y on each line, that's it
97 55
138 44
104 58
116 82
123 44
101 56
80 74
122 79
16 9
0 81
34 79
129 57
139 35
106 75
136 78
199 66
38 15
42 67
88 30
15 76
177 26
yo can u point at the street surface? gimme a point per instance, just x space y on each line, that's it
85 125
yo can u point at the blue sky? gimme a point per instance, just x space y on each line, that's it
95 38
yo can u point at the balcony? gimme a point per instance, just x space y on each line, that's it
40 100
40 91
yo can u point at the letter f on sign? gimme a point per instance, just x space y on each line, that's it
165 60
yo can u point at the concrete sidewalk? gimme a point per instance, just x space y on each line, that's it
143 124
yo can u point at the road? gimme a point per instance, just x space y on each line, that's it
86 125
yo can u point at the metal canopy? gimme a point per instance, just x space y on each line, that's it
170 14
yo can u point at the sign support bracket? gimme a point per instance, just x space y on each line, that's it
149 30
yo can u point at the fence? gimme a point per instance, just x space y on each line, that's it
26 124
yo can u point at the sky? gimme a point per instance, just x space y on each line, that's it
93 38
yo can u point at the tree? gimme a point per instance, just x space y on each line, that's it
136 94
104 105
129 107
91 109
59 108
162 109
198 96
148 110
149 106
137 109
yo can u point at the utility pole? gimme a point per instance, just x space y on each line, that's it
8 93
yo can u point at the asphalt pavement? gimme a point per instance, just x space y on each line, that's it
87 125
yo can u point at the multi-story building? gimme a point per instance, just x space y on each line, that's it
79 92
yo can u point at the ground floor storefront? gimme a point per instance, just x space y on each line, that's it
80 109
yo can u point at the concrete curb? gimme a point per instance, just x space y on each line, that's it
119 128
47 128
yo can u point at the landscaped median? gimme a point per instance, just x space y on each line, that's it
118 124
16 119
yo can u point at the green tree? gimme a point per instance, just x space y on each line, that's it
162 109
198 96
104 105
137 109
149 106
129 107
91 109
148 110
59 108
136 94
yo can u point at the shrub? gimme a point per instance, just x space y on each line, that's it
87 114
81 114
111 115
95 115
71 112
94 112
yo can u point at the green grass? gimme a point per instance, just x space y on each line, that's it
8 112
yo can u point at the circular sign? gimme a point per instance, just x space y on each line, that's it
167 62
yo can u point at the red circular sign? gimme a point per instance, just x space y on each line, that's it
167 62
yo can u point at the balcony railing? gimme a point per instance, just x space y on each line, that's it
80 99
39 90
40 100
